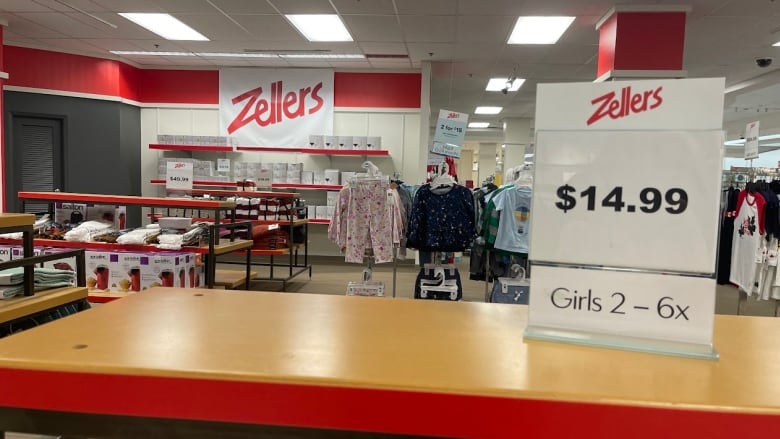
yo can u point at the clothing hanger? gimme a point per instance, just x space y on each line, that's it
443 179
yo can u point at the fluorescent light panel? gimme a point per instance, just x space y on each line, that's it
488 110
498 84
166 26
243 54
539 30
479 124
320 27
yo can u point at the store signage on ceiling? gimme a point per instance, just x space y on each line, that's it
450 133
624 227
751 140
275 107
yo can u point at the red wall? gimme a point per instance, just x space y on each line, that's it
82 74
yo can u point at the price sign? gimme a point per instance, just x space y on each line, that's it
264 178
223 165
179 176
751 140
628 199
450 132
625 214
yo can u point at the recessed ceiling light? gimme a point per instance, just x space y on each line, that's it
498 84
166 26
539 30
320 27
479 124
488 110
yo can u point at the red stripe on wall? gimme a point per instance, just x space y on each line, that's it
179 86
379 90
61 71
48 70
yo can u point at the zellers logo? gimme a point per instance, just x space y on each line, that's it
626 105
277 107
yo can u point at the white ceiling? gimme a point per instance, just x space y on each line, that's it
464 39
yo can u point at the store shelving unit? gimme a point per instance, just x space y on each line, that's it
319 221
215 247
313 151
23 309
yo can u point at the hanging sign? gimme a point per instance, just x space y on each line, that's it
450 132
223 165
178 176
625 214
751 141
275 107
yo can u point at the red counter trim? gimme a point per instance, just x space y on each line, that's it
32 68
375 410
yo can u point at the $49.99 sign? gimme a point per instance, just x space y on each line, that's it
627 199
675 200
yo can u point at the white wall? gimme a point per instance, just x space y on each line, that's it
400 132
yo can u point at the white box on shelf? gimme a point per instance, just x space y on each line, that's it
322 212
333 198
330 210
6 251
69 213
360 142
294 167
317 141
278 167
345 142
331 142
373 143
332 176
346 176
319 177
279 177
307 177
311 212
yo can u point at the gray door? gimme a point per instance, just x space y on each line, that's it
36 150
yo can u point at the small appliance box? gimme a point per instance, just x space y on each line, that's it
333 198
68 263
311 212
6 252
107 213
321 212
318 177
332 176
360 142
307 177
331 142
345 142
17 252
373 143
98 268
166 269
69 213
317 141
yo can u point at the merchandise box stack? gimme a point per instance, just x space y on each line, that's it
294 173
280 173
178 139
307 177
317 141
121 272
345 142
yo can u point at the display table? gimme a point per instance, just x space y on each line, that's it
223 362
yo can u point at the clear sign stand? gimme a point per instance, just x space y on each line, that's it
625 215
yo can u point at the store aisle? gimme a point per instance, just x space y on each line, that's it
333 278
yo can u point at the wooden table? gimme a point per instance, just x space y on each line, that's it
249 364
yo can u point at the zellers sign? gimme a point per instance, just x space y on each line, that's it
275 107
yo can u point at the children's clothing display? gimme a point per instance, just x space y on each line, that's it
514 207
746 247
367 217
442 219
727 234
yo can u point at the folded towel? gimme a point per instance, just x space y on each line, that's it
42 277
8 292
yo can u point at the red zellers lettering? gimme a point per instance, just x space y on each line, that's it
626 105
279 107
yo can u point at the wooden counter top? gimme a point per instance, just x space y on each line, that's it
458 349
16 219
21 306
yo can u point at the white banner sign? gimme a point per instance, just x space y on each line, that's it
751 141
636 199
670 104
674 308
275 107
178 176
450 133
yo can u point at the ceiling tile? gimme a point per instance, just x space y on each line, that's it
214 26
22 6
72 45
84 5
303 6
185 6
191 61
350 65
308 63
124 27
269 63
509 8
374 27
365 7
484 28
244 6
112 44
384 64
427 7
148 60
229 62
269 27
129 5
31 29
383 48
438 28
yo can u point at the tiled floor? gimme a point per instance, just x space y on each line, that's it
332 279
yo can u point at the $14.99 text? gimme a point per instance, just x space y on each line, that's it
651 200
